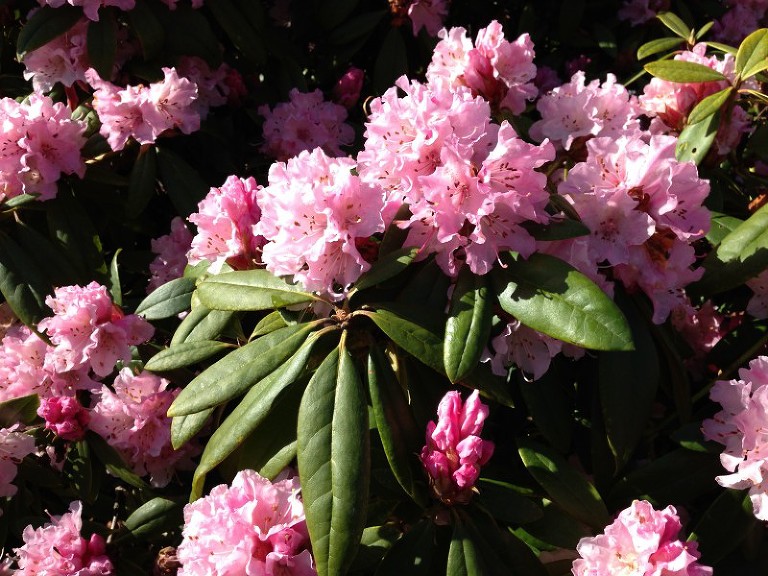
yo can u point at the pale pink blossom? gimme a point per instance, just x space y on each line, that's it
454 452
739 21
313 210
171 255
225 222
427 14
21 364
758 303
305 122
347 89
64 59
91 7
521 346
65 416
132 419
212 87
88 330
14 447
741 427
641 541
58 549
254 528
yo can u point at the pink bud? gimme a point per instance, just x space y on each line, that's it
347 89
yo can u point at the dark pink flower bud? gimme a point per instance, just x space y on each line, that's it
347 89
65 416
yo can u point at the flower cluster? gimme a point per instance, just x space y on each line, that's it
39 142
741 427
640 541
64 59
427 14
14 447
252 527
742 17
454 451
171 255
58 549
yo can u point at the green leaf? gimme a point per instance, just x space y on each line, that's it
115 289
414 554
189 33
721 225
395 422
709 105
184 355
468 325
752 56
201 324
143 181
112 460
271 322
184 428
657 45
566 487
19 410
249 290
102 42
54 264
675 24
418 341
147 28
561 229
168 300
22 283
683 71
391 62
388 266
505 503
357 27
724 525
240 31
550 404
334 461
155 517
554 529
722 47
241 369
45 25
464 558
184 185
696 139
552 297
249 414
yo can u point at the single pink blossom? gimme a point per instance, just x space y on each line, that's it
171 255
65 416
14 447
64 59
427 14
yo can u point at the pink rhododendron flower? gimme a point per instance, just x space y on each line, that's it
132 418
702 328
21 364
65 416
225 223
526 348
576 110
500 71
171 255
741 427
212 86
347 90
64 59
87 329
743 18
14 447
58 549
305 122
641 541
758 303
454 451
255 527
427 14
91 7
313 210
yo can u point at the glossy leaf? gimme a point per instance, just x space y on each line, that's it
22 283
505 503
683 71
464 558
567 487
550 404
724 525
709 105
201 324
657 45
147 28
184 428
675 24
19 410
334 461
552 297
752 56
271 322
45 25
468 326
143 181
249 290
154 517
695 140
184 185
102 42
113 462
388 266
721 225
168 300
418 341
113 284
184 355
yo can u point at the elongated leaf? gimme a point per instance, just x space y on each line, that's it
168 300
114 279
249 290
201 324
240 31
271 322
752 56
395 422
709 105
695 140
675 24
50 259
565 486
550 404
657 45
357 27
552 297
683 71
505 503
721 226
22 283
143 182
45 25
334 461
556 229
19 410
184 355
388 266
724 525
464 558
418 341
184 428
249 414
188 33
184 185
102 42
555 528
413 554
154 517
234 374
113 462
147 28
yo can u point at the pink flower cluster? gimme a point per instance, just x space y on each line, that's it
253 527
454 451
132 418
14 447
758 303
91 7
213 86
742 18
64 59
144 112
741 427
39 142
427 14
640 541
171 255
305 122
226 220
500 71
58 549
313 211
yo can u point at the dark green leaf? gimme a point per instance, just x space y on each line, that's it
357 27
392 61
752 56
414 554
154 517
505 503
51 260
334 467
271 322
239 30
550 404
147 28
675 24
555 529
658 45
184 354
143 181
201 324
418 341
189 33
45 25
113 462
567 487
709 105
464 558
249 290
115 290
683 71
561 229
184 428
331 13
19 410
696 139
552 297
386 267
184 185
168 300
22 283
721 226
102 42
724 525
468 325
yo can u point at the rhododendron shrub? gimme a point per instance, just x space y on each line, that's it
352 288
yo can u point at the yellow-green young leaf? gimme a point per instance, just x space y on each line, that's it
752 56
721 225
675 24
168 300
184 428
695 140
704 29
709 105
658 45
184 355
44 25
334 461
682 71
468 325
249 290
722 47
